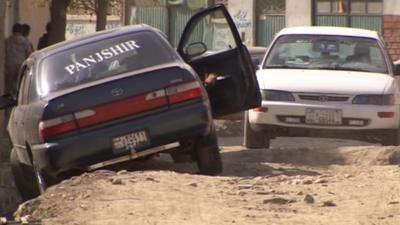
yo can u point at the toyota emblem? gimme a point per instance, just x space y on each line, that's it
323 98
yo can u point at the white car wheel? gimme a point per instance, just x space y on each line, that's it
253 138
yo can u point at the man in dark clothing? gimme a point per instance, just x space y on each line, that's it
44 39
26 30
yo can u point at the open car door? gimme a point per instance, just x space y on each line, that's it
210 43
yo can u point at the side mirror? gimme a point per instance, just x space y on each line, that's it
195 49
396 68
7 101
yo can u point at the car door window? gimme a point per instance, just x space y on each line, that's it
210 43
212 32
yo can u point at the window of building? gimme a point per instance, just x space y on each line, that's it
374 7
366 14
349 7
324 7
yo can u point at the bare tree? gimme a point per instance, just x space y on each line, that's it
101 8
3 5
58 13
101 14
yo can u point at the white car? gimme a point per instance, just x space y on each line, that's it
326 82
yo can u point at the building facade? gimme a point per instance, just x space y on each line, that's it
259 20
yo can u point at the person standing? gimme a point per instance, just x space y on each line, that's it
18 49
26 30
44 39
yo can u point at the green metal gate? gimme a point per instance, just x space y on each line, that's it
338 21
179 15
153 16
267 27
270 20
168 16
367 22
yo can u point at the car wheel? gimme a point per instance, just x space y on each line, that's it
207 154
392 138
253 138
24 178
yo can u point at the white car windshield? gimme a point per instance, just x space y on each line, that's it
327 52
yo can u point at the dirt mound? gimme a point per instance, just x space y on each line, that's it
297 181
354 155
100 197
371 155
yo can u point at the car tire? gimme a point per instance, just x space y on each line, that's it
24 178
392 138
208 155
253 138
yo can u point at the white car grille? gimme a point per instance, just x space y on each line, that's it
323 98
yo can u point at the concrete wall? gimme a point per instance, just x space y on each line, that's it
36 14
243 13
78 25
391 7
298 13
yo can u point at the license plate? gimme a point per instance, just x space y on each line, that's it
131 141
324 116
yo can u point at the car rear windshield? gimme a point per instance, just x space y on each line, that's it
102 59
327 52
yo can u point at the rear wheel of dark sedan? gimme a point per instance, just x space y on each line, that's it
24 177
253 138
208 156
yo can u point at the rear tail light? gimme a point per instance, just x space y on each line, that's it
126 107
386 114
260 109
123 108
56 126
184 92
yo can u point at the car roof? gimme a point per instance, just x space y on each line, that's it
97 36
326 30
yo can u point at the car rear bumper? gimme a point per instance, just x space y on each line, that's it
94 146
373 135
277 113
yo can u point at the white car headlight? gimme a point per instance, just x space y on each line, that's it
274 95
374 99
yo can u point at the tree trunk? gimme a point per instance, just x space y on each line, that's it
101 14
3 5
127 10
58 12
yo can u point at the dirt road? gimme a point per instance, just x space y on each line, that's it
299 181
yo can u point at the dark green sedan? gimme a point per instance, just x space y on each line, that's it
126 93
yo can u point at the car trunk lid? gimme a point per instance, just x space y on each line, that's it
110 101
